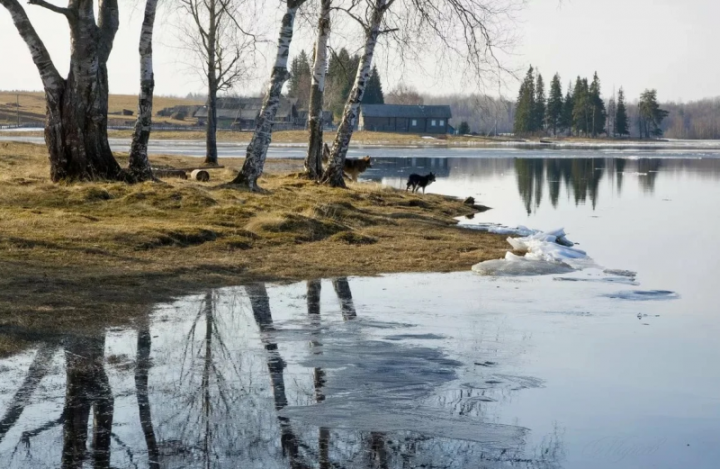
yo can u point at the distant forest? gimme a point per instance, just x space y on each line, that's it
487 115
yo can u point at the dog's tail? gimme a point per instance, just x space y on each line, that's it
325 153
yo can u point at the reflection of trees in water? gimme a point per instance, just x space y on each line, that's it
529 174
36 372
142 369
648 169
619 164
212 417
276 365
87 389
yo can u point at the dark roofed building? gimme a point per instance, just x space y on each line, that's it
241 113
404 118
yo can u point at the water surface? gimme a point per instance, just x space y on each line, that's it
609 367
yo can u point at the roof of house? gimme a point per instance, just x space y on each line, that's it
247 108
406 111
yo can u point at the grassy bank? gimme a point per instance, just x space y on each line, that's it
93 251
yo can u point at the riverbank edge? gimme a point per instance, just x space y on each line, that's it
74 256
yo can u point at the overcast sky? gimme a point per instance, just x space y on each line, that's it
669 45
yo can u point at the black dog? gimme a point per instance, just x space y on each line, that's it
415 181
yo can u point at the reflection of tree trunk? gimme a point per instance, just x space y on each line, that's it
313 303
142 368
209 321
260 303
377 447
313 297
342 289
87 387
37 371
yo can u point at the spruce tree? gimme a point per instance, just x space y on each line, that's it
373 90
611 113
464 128
555 105
540 105
566 122
581 107
294 79
621 117
598 115
524 111
650 114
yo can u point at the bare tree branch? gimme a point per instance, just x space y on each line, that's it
42 3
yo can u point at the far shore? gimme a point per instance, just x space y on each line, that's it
98 254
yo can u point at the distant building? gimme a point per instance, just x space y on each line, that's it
241 113
405 118
302 120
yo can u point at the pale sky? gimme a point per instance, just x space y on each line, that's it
669 45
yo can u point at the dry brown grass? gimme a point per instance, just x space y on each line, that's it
75 254
32 107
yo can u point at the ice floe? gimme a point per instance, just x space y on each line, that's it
544 253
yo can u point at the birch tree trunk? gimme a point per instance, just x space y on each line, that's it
257 149
313 160
334 173
139 164
76 107
211 155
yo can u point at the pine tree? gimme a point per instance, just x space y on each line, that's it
373 89
294 78
650 114
566 122
611 113
339 80
525 107
621 117
580 114
555 105
597 107
300 79
464 128
540 105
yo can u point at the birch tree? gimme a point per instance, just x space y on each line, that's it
258 147
76 106
468 29
313 159
139 164
222 46
334 173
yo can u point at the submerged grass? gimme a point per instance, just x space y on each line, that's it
78 254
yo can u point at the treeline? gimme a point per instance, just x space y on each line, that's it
339 79
698 119
581 111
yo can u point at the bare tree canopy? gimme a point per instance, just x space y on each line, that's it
222 48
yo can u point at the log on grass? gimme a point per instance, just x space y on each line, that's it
200 175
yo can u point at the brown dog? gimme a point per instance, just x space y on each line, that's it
353 167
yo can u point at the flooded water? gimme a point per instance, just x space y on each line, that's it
612 366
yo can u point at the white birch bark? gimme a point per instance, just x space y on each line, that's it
139 164
258 147
76 108
313 160
334 173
